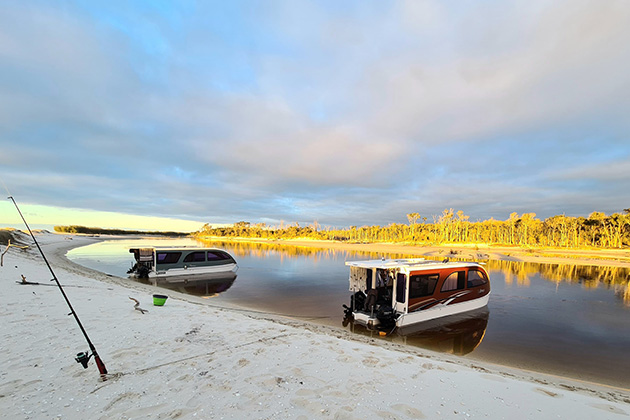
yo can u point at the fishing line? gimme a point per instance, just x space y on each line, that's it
210 353
253 311
5 187
82 358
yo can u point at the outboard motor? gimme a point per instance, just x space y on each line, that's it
139 270
386 316
357 302
132 269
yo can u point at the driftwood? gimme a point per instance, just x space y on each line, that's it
34 283
9 245
137 306
24 281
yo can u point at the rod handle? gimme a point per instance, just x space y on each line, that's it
99 363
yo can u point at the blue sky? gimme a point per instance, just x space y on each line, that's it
348 113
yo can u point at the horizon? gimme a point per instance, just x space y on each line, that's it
346 114
112 220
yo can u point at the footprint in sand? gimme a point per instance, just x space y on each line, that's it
610 409
121 397
314 407
409 411
345 359
447 368
370 361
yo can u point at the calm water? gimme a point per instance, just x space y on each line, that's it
567 320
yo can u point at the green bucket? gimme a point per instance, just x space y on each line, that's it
159 300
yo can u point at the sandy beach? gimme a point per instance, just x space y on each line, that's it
193 359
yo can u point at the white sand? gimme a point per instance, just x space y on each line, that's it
192 360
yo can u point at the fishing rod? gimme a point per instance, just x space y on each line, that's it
83 357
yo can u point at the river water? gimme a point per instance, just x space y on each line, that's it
562 319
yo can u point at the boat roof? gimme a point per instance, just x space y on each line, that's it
179 248
409 263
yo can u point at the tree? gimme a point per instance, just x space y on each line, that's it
512 223
413 217
445 221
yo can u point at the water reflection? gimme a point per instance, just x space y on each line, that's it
519 273
622 291
590 277
457 334
289 251
198 285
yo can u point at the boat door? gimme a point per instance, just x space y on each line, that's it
401 291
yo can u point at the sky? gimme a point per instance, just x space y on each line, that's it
344 113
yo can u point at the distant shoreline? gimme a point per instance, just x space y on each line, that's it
477 252
592 257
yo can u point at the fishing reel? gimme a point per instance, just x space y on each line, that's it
83 358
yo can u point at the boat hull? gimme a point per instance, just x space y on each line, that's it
179 274
365 319
441 310
418 317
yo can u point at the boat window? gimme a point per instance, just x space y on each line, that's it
476 278
454 281
401 288
218 256
168 257
422 285
195 256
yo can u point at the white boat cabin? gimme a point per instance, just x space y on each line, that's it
181 262
401 292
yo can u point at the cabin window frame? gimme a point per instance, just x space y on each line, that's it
459 283
424 277
167 259
484 278
218 256
401 288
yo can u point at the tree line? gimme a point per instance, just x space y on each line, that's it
101 231
598 230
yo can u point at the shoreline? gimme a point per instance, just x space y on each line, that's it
477 252
276 367
498 359
588 257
